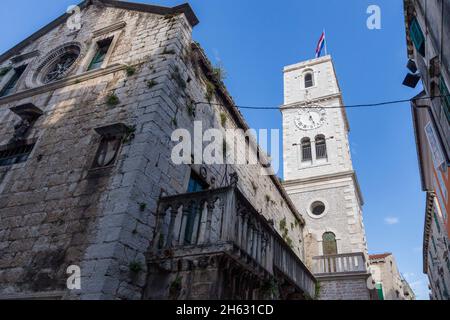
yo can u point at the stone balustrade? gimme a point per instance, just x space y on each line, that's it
223 218
339 264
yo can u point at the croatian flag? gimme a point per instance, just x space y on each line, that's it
320 45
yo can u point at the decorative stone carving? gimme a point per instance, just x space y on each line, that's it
56 65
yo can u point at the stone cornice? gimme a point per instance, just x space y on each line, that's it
165 11
327 177
308 63
62 83
312 101
25 56
427 228
109 29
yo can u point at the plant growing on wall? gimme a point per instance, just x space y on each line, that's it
285 232
112 99
223 119
270 288
191 109
142 207
151 83
219 73
129 134
176 75
210 89
130 70
135 266
317 292
283 224
4 71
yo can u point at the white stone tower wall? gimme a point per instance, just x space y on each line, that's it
332 180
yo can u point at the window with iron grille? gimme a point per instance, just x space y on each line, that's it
11 84
445 97
321 147
417 36
306 150
100 54
15 155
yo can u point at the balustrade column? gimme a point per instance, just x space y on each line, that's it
210 211
170 233
186 211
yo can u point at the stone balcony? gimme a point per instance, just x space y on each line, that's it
193 228
340 264
343 277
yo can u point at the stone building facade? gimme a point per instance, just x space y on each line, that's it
428 32
389 282
87 178
320 178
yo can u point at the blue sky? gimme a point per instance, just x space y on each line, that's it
254 39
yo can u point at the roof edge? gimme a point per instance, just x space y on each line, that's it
183 8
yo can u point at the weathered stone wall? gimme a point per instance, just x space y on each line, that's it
344 289
342 215
54 212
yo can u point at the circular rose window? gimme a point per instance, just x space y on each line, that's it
58 64
60 67
317 208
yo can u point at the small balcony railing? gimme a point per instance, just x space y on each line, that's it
224 220
339 264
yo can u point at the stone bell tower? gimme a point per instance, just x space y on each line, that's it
318 170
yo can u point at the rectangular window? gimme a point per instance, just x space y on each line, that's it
193 217
417 36
15 155
445 98
11 84
196 184
100 54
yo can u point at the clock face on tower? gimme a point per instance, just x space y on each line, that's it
310 118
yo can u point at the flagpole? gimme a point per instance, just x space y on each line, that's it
326 44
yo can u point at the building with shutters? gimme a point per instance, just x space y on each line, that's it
428 41
389 282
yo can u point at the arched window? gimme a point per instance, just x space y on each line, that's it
329 243
321 147
306 150
309 80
